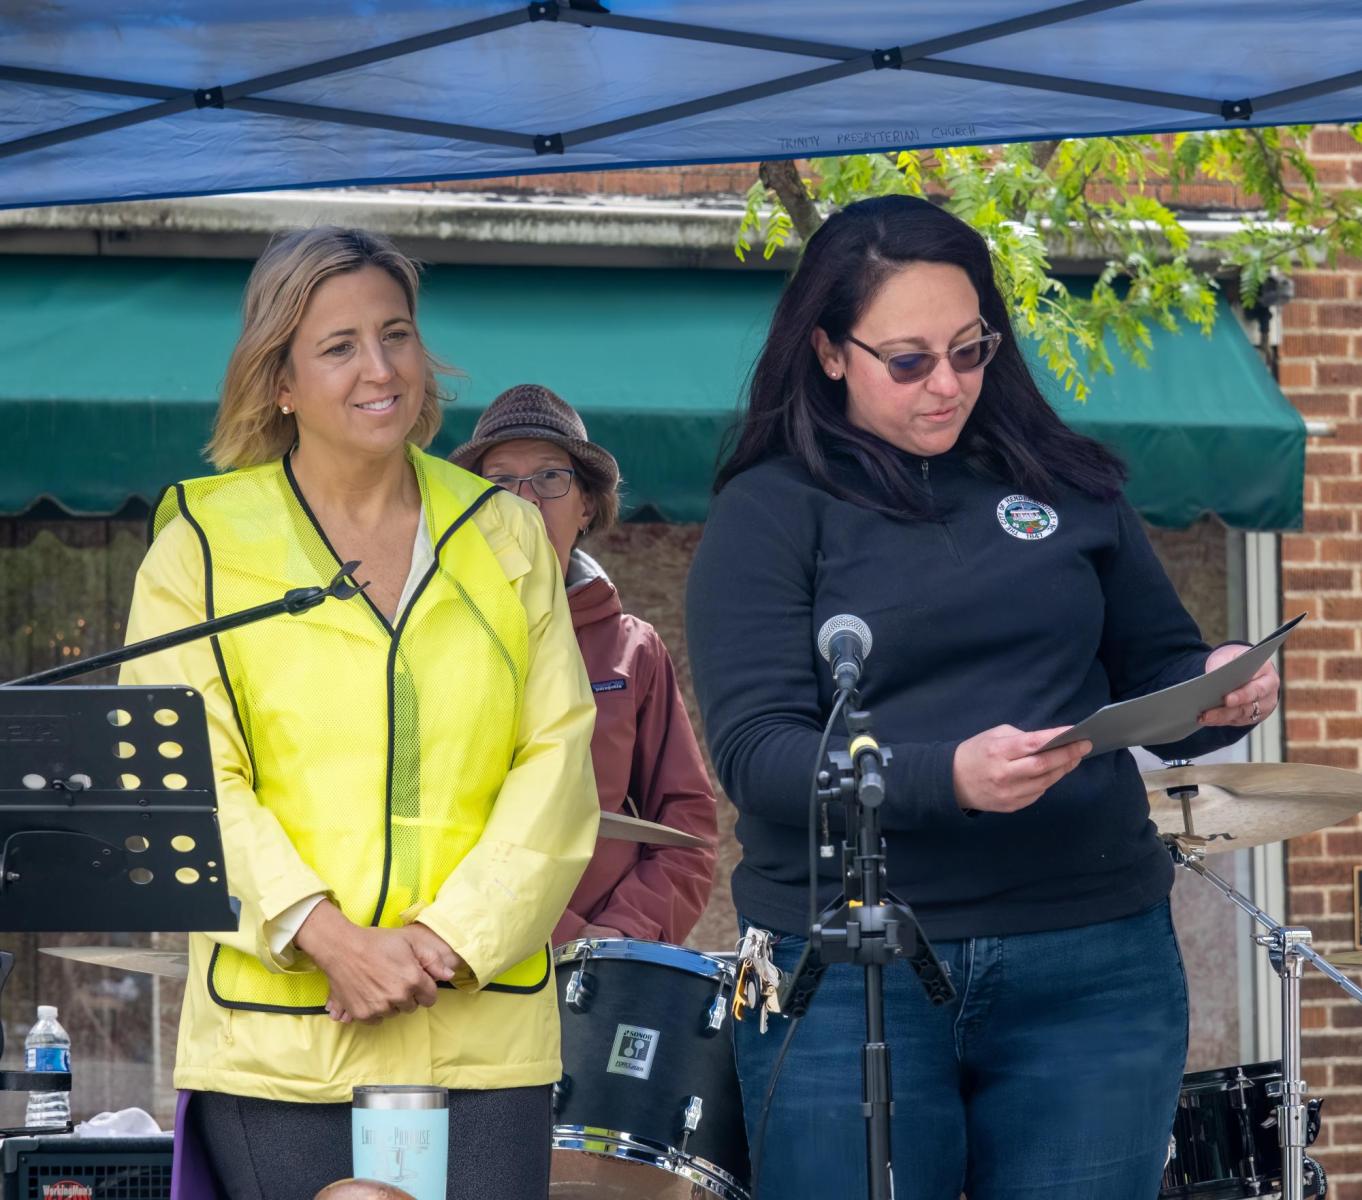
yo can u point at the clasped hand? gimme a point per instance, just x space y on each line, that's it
375 973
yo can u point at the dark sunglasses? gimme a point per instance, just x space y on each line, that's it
911 366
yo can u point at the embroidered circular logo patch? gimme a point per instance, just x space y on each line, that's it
1027 519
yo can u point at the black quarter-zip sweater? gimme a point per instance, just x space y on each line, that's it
997 611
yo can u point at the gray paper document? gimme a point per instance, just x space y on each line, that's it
1171 714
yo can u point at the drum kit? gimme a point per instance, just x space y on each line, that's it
1243 1130
649 1108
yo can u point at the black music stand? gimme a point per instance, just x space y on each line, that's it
108 812
107 821
111 789
108 809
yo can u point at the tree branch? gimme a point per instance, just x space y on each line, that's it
782 177
1042 153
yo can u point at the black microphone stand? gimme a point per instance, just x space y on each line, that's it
869 926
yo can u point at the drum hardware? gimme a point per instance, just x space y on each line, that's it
1224 1143
581 985
1267 804
690 1119
714 1018
562 1088
718 1008
1312 1110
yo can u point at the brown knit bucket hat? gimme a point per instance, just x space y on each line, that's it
530 410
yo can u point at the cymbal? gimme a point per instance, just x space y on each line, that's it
173 964
622 828
1239 805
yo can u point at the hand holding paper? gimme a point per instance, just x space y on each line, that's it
1246 705
1003 769
1175 712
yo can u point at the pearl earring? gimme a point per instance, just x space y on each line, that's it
284 408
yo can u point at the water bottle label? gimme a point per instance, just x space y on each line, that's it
47 1058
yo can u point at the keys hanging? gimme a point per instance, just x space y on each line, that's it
758 982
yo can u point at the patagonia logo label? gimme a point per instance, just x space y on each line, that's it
610 685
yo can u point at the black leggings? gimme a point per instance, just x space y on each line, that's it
274 1150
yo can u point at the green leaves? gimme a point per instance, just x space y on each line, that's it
1114 201
771 224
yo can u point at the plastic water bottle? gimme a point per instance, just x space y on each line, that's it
47 1048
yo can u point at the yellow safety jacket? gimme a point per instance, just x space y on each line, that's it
438 767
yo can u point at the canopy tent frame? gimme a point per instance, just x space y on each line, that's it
846 61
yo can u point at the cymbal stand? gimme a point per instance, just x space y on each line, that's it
1288 949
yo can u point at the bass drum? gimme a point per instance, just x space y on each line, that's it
648 1107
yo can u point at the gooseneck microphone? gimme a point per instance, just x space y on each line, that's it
845 642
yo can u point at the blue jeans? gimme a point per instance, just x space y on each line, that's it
1053 1073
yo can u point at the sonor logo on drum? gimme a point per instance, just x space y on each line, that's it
632 1052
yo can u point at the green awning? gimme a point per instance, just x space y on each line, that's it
112 366
1204 429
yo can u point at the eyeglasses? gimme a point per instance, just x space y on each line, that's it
911 366
548 484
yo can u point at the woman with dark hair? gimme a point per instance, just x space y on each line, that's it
898 462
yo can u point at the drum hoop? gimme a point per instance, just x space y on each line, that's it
1235 1075
661 954
692 1167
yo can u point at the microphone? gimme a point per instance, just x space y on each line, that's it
845 642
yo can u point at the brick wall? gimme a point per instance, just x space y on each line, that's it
1321 372
691 181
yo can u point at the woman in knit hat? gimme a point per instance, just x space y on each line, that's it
647 761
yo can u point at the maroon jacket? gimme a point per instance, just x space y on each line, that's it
648 764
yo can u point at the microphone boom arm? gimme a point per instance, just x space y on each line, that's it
296 600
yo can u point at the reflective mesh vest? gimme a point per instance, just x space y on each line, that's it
380 749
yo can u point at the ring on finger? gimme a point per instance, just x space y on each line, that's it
1256 714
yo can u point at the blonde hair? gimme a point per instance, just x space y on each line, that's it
250 429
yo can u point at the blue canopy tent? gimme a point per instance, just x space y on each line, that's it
106 100
109 99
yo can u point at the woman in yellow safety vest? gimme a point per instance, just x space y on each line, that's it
404 778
